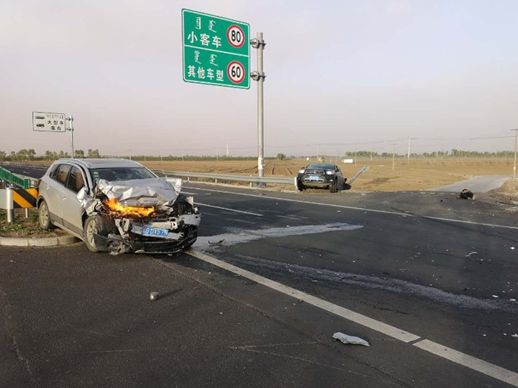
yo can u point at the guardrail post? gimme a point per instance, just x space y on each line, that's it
9 208
26 212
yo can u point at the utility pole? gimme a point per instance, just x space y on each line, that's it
515 150
393 157
408 150
259 76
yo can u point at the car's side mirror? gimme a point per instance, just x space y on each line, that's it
82 194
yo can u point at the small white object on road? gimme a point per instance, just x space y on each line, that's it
154 295
350 339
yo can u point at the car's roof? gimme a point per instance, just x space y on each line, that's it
102 163
321 165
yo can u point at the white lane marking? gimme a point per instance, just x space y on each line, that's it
230 210
450 354
343 312
468 361
453 220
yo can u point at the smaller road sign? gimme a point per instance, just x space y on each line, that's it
49 122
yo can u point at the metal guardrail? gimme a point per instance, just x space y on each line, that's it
358 173
243 178
229 177
14 179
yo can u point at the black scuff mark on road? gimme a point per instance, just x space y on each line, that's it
6 313
375 282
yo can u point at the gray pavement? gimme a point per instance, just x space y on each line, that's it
427 263
477 184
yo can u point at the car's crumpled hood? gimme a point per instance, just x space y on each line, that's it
141 192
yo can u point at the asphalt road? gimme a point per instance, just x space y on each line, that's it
436 269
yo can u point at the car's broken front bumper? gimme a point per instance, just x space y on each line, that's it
150 236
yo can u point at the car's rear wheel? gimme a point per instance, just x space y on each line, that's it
91 228
44 216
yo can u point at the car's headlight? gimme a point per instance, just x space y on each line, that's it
302 171
329 172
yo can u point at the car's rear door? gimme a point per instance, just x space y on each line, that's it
54 189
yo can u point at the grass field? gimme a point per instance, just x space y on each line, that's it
418 174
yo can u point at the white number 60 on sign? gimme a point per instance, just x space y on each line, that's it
236 72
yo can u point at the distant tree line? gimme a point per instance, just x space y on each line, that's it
435 154
30 154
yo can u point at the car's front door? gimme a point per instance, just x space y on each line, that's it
72 210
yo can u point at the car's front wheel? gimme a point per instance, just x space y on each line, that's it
44 216
91 228
333 188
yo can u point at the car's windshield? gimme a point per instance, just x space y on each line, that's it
120 173
321 166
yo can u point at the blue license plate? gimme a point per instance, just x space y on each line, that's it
154 232
314 178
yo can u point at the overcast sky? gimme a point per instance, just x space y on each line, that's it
341 75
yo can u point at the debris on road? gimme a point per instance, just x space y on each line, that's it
471 254
466 194
350 339
154 295
216 242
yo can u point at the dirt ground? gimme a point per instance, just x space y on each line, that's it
418 174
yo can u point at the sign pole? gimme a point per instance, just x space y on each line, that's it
259 76
515 151
70 120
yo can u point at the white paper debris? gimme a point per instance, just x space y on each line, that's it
154 295
350 339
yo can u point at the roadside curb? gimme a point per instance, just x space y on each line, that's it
38 242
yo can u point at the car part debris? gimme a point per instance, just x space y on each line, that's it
350 339
219 242
466 194
154 295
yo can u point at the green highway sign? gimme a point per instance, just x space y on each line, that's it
215 50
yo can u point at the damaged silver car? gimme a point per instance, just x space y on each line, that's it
118 206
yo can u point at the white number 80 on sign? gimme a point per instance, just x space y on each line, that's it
236 72
235 36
